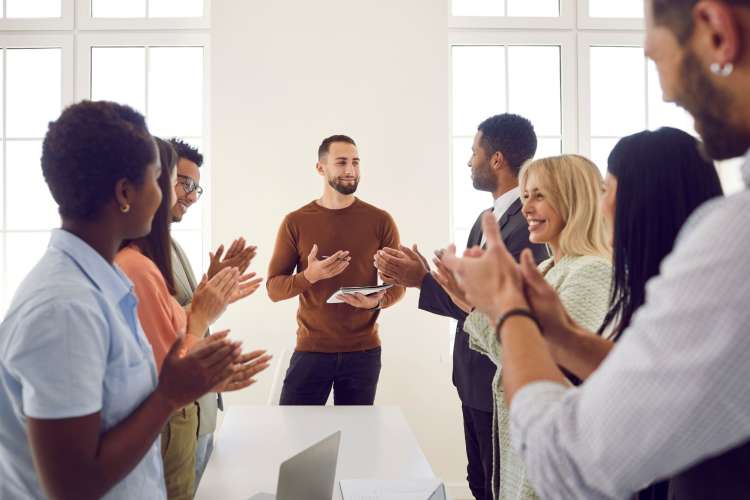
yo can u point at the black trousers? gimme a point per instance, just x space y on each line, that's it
478 436
353 376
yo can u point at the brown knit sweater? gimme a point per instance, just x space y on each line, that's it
360 228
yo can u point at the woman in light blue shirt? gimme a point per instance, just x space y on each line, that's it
81 403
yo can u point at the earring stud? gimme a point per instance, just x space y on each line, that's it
125 209
722 69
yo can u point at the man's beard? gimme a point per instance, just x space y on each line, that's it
710 108
483 180
343 188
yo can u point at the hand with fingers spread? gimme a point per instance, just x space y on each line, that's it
246 367
403 267
187 375
211 298
239 255
491 279
248 285
329 267
361 301
447 280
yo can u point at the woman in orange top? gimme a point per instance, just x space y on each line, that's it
148 263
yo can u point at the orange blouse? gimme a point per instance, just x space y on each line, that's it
162 317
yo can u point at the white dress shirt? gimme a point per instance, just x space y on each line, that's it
673 392
502 204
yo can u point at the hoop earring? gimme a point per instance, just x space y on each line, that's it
125 209
722 69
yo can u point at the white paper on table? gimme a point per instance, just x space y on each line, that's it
400 489
364 290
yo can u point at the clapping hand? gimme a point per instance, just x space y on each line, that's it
245 368
491 279
403 267
327 268
211 298
187 375
239 255
248 285
447 280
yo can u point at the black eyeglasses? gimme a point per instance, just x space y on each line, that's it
189 185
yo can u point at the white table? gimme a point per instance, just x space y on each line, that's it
376 443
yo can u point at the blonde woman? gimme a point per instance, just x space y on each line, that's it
561 204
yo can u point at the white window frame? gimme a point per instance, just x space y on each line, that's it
568 96
565 20
574 31
87 41
585 42
30 41
64 22
566 42
586 22
85 21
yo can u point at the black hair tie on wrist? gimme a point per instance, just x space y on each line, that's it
516 312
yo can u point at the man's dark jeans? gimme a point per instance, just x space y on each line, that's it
353 376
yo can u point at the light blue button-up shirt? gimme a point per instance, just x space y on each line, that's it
71 345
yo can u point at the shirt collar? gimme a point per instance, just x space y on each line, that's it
505 200
106 277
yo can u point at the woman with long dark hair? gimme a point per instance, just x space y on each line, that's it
147 261
655 180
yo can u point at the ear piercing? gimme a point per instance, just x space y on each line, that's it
721 69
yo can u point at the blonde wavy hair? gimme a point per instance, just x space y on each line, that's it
572 184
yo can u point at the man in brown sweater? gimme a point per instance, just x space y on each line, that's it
327 244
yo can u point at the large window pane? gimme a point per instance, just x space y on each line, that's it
478 86
478 7
33 8
536 8
119 74
616 8
515 8
23 251
175 83
30 204
546 147
33 93
118 8
664 114
600 149
175 8
618 91
534 86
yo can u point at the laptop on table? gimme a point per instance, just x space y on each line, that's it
308 475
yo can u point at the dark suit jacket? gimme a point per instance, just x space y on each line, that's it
473 372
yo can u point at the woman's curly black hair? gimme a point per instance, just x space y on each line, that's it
91 146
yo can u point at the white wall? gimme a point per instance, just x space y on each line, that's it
285 74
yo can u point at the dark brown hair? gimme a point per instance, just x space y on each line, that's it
157 245
325 146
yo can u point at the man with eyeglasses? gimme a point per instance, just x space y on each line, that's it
239 255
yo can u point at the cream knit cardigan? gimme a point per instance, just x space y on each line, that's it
583 284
